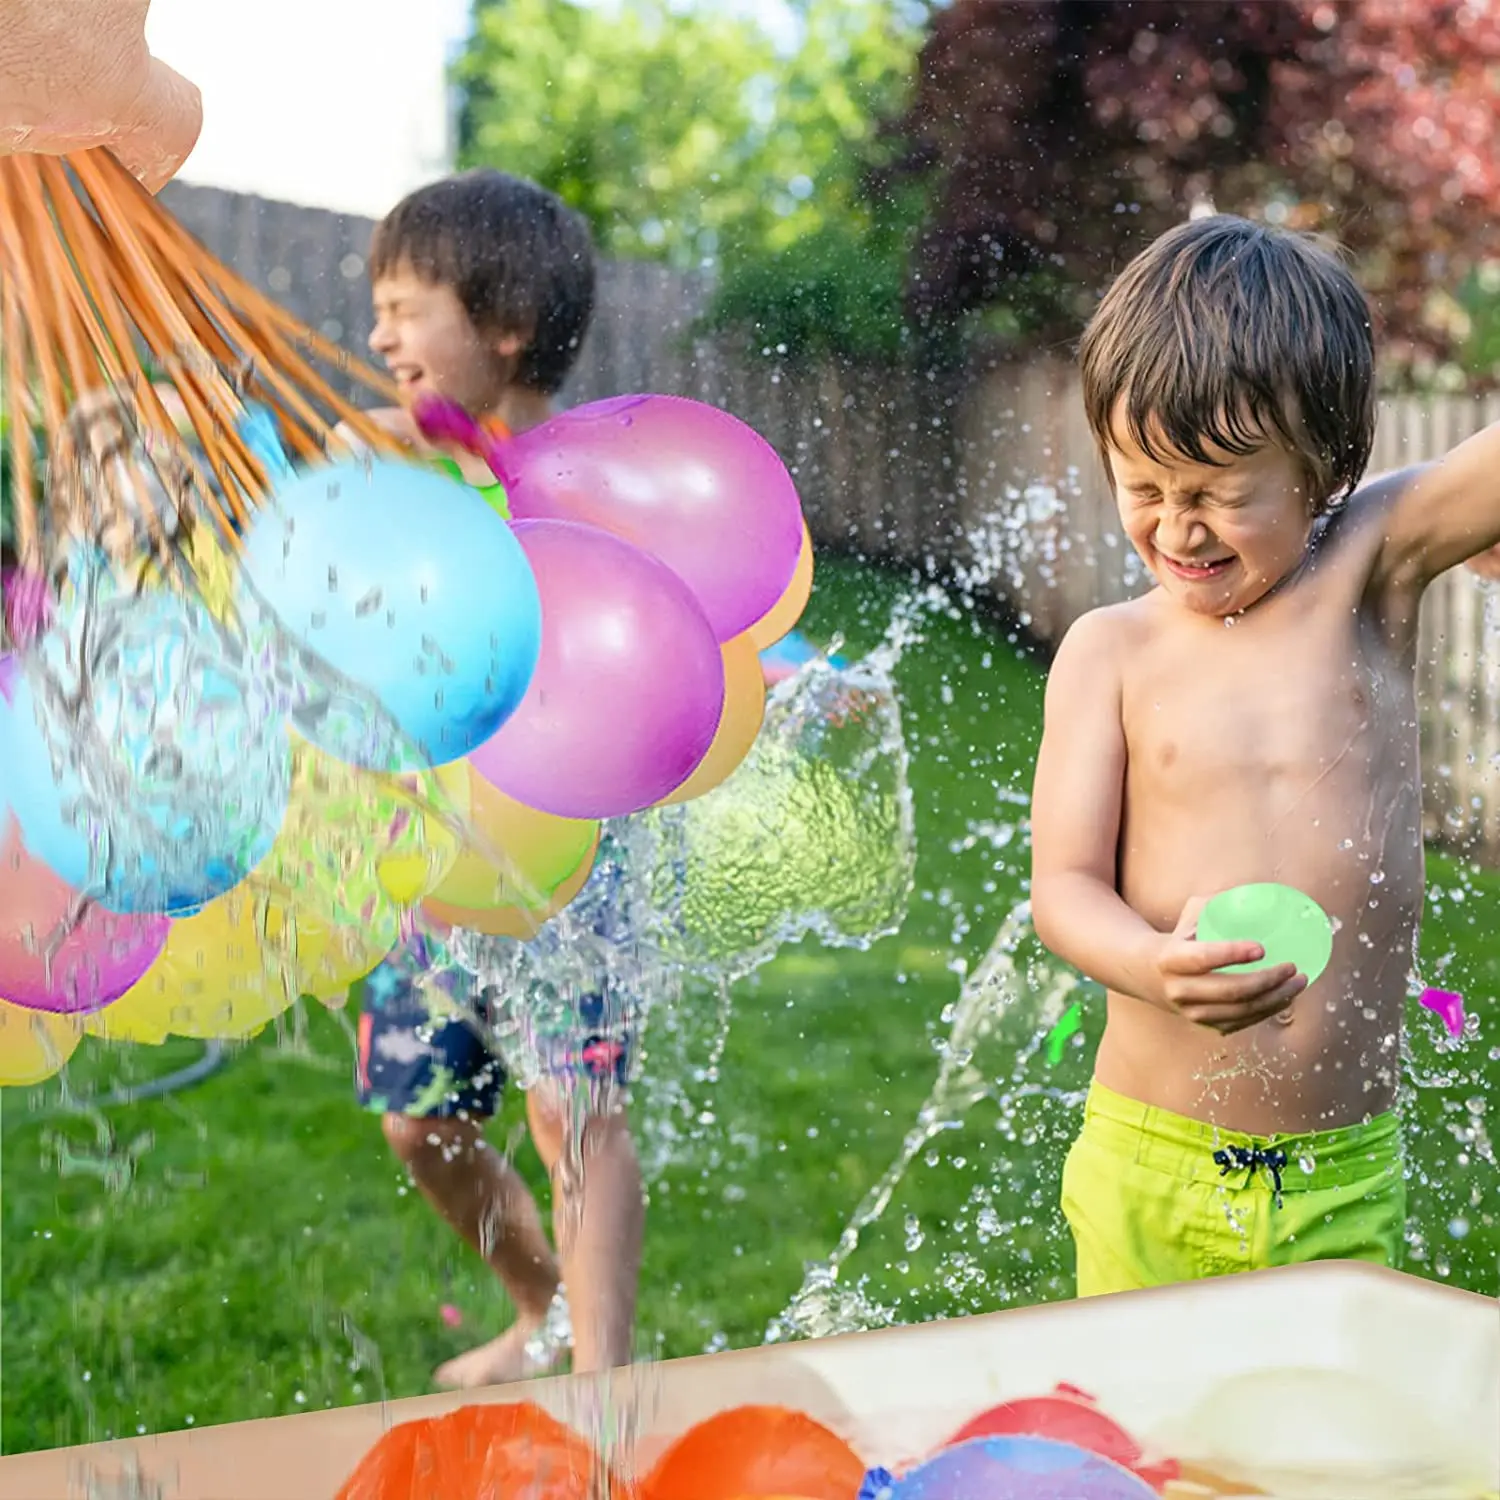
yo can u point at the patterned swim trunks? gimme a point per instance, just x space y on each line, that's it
425 1048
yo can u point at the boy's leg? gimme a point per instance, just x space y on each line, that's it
437 1085
598 1214
483 1199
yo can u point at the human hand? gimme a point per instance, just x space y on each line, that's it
76 74
1188 981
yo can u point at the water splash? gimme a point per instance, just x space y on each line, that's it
812 836
1007 987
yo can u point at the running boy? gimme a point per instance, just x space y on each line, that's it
1252 718
483 288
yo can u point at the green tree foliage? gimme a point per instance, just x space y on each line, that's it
1480 303
686 136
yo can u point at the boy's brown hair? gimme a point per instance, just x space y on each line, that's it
517 257
1236 334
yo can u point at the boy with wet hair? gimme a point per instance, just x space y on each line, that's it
1252 718
483 287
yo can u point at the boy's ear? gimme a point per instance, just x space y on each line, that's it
510 342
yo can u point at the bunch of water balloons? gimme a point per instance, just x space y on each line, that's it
394 697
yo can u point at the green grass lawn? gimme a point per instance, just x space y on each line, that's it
249 1248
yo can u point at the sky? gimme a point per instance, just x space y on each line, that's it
339 104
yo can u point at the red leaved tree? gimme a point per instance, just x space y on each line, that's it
1062 135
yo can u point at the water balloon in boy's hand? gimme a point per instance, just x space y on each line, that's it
1290 926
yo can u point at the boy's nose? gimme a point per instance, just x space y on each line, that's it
1180 534
381 341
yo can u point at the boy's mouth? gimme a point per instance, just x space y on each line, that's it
1197 572
408 377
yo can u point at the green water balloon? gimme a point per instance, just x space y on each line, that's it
1290 926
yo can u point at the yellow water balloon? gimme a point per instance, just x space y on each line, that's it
34 1044
512 854
356 845
233 967
517 920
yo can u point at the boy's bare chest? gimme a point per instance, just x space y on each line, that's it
1215 706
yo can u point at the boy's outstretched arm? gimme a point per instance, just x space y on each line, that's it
1076 805
1442 514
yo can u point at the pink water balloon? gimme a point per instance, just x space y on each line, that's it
628 691
684 481
1448 1007
54 958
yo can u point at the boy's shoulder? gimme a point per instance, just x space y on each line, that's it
1095 649
1109 627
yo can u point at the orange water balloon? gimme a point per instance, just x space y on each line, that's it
744 713
480 1452
782 616
757 1451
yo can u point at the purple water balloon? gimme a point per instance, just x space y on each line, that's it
1019 1468
28 604
684 481
629 688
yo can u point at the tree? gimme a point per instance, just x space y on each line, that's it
1062 135
686 136
643 119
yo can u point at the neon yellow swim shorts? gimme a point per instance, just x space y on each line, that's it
1154 1198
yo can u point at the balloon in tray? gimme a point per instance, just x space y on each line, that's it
1018 1468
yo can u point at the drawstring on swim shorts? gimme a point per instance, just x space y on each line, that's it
1247 1159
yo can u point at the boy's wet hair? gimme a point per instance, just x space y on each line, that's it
1234 334
517 257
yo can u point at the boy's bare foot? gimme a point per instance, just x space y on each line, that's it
518 1354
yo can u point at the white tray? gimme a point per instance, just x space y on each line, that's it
1426 1351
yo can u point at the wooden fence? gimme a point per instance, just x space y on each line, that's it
987 475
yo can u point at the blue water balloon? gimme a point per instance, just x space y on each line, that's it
145 766
411 589
1016 1468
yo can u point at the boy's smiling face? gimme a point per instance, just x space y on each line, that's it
1216 536
431 346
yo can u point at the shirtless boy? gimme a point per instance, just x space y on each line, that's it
1252 718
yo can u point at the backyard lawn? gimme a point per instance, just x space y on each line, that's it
248 1247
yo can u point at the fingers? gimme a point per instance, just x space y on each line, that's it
1187 923
1228 1016
1231 989
158 133
1188 958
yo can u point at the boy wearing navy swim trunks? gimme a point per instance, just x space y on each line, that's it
483 287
